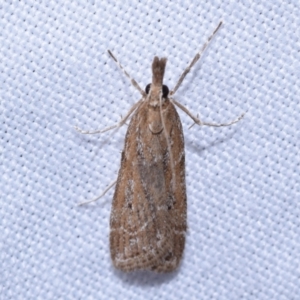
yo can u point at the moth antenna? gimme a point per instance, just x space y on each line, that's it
132 80
168 142
196 58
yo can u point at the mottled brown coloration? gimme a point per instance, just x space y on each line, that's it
148 218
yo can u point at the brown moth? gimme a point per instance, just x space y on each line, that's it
148 217
148 220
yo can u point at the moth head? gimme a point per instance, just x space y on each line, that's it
164 90
157 91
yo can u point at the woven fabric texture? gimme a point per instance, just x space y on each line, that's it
242 181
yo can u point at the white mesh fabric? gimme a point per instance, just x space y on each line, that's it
242 181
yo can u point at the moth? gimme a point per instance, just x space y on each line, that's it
148 220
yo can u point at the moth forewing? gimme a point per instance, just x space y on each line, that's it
148 218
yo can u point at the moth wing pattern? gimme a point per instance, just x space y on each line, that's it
149 210
148 217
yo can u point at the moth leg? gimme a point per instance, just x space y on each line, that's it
196 58
105 191
199 122
133 82
121 123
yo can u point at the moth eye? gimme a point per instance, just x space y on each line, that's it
147 89
165 91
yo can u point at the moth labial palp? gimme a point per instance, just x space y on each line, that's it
148 217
